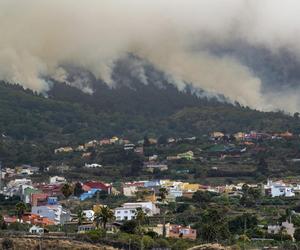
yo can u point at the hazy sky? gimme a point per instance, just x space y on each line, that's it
37 36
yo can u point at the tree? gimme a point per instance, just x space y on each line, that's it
3 224
297 234
146 141
239 223
104 215
140 216
163 192
136 167
202 196
262 166
78 189
21 208
67 190
129 226
80 216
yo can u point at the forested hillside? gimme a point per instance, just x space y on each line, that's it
77 116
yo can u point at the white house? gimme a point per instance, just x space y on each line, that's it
279 189
57 180
93 165
89 214
289 227
18 182
36 230
53 212
128 210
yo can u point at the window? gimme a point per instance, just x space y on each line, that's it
118 212
125 217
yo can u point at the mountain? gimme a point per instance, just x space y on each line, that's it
142 101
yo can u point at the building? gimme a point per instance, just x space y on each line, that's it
56 213
89 214
97 185
189 155
287 226
93 165
85 228
129 189
63 150
150 166
276 189
36 230
128 210
57 180
176 231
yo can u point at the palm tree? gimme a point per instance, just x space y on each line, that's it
80 216
67 190
140 216
21 208
104 215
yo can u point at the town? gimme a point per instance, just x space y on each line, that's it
161 192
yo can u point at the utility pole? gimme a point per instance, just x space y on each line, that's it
0 176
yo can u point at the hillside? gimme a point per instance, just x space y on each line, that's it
68 114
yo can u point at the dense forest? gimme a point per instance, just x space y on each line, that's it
70 115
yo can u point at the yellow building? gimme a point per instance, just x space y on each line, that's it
187 187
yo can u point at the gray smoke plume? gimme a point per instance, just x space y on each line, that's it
38 36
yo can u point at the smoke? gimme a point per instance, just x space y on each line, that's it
38 37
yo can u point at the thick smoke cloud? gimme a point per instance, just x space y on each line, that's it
38 36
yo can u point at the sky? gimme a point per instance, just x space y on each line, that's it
37 37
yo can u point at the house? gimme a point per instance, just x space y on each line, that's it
276 189
217 135
176 231
114 139
28 192
57 180
128 210
287 226
239 136
63 150
189 155
85 228
91 144
139 150
36 230
286 135
150 166
89 194
153 158
89 214
36 219
129 146
93 165
104 142
130 188
97 185
50 189
16 183
80 148
56 213
91 187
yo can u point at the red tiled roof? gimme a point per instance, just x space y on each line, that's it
99 185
